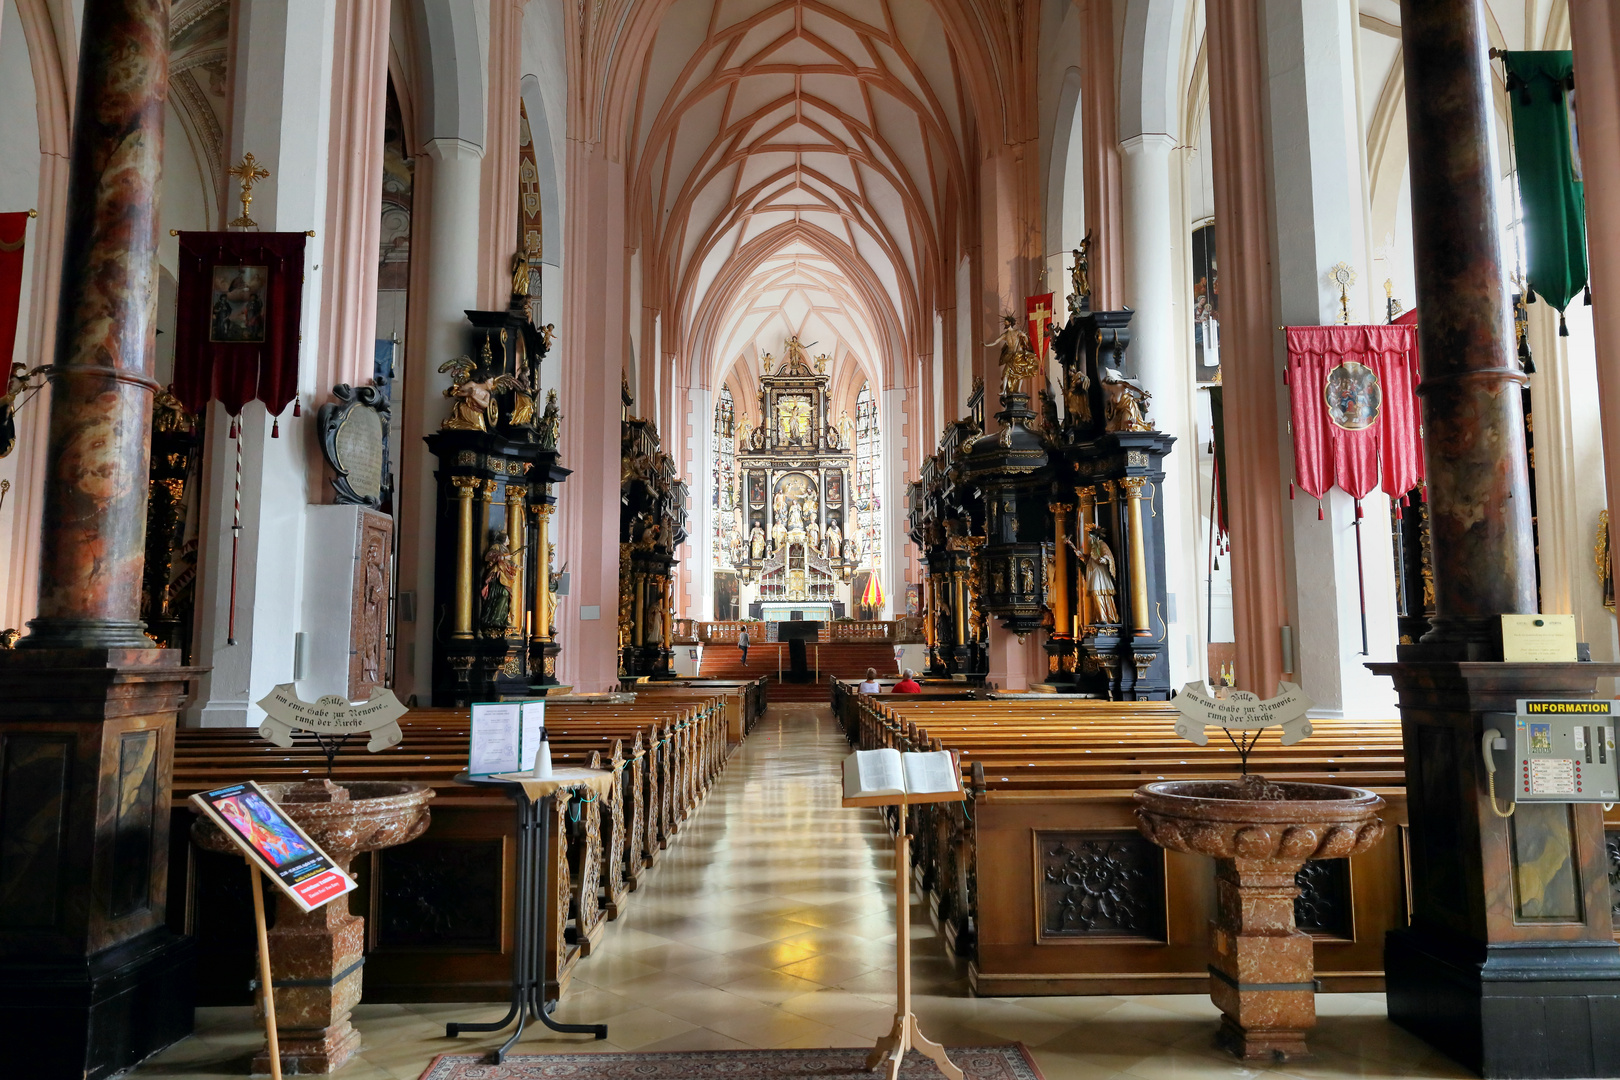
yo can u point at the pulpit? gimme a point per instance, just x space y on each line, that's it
652 524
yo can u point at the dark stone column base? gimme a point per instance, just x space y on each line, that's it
86 1019
1537 1010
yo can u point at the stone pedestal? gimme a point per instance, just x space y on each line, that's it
316 958
1262 974
1509 964
91 979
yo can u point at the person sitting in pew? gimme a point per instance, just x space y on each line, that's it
871 684
908 683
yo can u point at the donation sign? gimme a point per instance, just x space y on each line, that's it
274 843
1241 710
378 716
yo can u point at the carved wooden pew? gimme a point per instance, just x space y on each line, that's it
437 908
1043 883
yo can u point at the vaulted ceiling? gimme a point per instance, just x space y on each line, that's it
797 167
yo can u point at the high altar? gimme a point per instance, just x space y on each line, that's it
793 551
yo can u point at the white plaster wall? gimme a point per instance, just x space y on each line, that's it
19 190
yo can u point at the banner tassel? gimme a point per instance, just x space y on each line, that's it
1319 510
1358 509
1563 330
298 407
275 427
233 428
1290 491
1589 296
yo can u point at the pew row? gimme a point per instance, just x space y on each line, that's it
1041 882
439 910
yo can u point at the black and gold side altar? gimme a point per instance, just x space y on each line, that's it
1110 620
652 524
945 519
494 606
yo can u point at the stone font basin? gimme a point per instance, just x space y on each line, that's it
316 958
1261 833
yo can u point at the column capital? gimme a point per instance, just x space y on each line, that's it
449 148
1148 140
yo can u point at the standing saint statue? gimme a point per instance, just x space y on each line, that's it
813 532
835 536
778 536
1018 361
756 541
1100 577
500 577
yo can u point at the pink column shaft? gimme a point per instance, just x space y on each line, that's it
498 185
1243 222
354 193
1595 28
1099 108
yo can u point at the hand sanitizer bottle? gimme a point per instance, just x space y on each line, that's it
542 758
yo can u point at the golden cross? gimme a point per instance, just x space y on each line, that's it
249 172
1042 315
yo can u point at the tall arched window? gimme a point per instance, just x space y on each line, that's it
723 477
868 478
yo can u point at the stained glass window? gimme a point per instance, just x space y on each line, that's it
868 478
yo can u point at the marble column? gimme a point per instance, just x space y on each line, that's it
1243 219
1473 420
1509 963
1595 30
91 978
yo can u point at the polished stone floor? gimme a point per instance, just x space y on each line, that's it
769 923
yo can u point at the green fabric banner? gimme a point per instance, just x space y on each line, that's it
1540 88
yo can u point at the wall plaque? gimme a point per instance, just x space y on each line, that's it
354 440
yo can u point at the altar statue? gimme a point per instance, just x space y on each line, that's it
1124 403
835 536
500 577
1018 361
846 431
550 426
784 415
756 541
474 407
1080 278
813 533
795 518
1077 397
778 536
1100 576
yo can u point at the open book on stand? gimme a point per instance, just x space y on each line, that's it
888 777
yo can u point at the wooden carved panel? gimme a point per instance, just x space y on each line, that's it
442 894
1323 907
34 775
368 620
1099 885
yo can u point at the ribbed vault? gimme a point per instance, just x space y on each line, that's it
797 166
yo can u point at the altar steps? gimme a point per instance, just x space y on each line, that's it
841 660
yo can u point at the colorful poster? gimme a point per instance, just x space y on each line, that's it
274 843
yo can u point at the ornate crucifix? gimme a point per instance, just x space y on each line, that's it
249 172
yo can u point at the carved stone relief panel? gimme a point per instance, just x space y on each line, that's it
368 612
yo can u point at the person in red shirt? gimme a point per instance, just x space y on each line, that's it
908 683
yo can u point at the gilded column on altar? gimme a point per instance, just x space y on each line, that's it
514 536
1139 593
542 570
1085 517
464 485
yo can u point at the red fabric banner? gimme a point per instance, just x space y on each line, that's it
239 302
1038 311
13 237
1355 411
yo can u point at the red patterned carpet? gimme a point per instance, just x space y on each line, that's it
1010 1062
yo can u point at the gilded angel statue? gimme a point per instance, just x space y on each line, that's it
1018 361
474 407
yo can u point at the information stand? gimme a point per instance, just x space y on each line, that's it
906 1034
534 827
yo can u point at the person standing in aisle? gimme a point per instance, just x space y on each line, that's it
742 643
